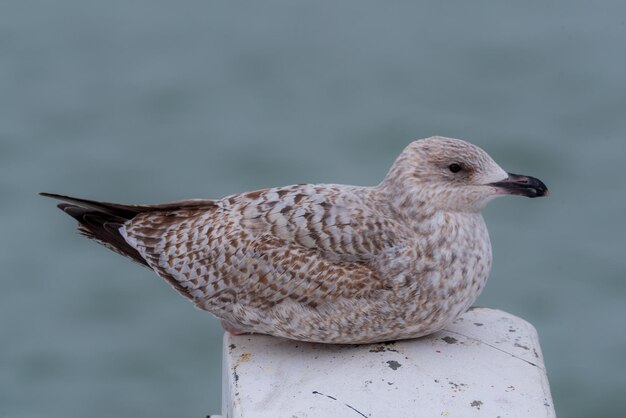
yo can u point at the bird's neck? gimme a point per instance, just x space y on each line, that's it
415 207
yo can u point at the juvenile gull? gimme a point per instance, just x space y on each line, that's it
326 263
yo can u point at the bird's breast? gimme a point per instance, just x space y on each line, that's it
451 263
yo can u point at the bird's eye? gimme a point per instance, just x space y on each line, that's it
455 168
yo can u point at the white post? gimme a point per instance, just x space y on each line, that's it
488 363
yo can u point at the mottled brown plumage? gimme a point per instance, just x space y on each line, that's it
326 263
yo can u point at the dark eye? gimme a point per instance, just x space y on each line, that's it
455 168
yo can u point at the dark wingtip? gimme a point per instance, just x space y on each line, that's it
54 196
74 211
116 209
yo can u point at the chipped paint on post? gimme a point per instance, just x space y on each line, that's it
487 363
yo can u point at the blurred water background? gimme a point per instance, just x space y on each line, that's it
149 101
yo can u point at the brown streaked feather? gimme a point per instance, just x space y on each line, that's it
101 221
303 274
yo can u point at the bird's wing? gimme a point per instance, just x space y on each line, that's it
270 271
329 219
219 265
281 243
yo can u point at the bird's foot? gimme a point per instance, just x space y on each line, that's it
228 327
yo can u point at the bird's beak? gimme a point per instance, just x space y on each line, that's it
516 184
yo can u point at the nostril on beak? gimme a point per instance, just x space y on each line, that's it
519 179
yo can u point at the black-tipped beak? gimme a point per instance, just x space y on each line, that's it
521 185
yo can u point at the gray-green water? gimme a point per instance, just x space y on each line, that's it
149 101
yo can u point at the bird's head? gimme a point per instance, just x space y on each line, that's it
451 174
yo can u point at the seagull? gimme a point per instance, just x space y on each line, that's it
326 263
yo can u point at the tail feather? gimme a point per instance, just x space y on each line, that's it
101 221
103 228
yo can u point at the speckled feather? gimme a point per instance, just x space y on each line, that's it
328 263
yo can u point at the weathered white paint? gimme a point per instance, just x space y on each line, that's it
487 364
